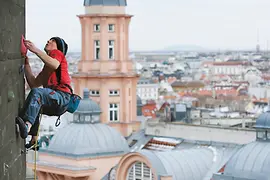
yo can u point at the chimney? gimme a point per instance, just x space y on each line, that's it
243 123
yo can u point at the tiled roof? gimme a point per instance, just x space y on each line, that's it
266 77
149 110
224 92
171 80
230 63
207 63
191 84
161 144
261 100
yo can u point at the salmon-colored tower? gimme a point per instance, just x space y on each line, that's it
105 68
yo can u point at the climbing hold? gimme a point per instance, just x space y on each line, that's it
6 167
23 48
11 96
21 69
22 151
17 130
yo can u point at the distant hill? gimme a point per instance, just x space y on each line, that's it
184 48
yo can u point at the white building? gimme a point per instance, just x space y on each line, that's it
229 68
147 89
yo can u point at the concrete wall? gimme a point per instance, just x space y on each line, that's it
201 133
223 121
12 26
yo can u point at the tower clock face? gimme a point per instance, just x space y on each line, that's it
112 175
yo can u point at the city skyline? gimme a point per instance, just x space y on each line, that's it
210 24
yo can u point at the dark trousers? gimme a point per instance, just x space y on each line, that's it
46 101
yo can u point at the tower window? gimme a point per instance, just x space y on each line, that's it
114 92
113 112
97 49
96 27
111 27
94 93
111 49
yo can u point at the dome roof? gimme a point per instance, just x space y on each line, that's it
184 164
105 3
87 140
250 162
263 121
87 105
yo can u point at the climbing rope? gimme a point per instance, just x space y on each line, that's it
35 165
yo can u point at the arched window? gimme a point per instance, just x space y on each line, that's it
140 171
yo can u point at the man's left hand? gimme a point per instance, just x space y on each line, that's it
31 46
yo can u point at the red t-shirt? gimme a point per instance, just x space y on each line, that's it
63 72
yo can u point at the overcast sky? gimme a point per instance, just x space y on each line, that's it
213 24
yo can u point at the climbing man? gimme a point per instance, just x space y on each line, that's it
54 97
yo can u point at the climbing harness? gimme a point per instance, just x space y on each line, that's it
57 122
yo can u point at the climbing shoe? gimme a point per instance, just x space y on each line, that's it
32 146
23 127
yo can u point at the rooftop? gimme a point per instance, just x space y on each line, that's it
181 158
105 3
263 121
192 84
88 106
87 140
104 75
249 163
184 165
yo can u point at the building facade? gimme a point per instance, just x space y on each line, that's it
83 150
230 68
105 68
147 90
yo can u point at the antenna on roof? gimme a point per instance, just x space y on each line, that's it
258 45
267 43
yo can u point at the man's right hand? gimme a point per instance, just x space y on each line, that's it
30 46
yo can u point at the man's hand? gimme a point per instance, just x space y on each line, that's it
49 61
31 46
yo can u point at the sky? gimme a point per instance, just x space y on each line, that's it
157 24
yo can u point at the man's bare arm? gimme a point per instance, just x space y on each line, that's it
33 81
48 61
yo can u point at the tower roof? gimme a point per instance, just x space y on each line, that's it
105 3
263 121
87 105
